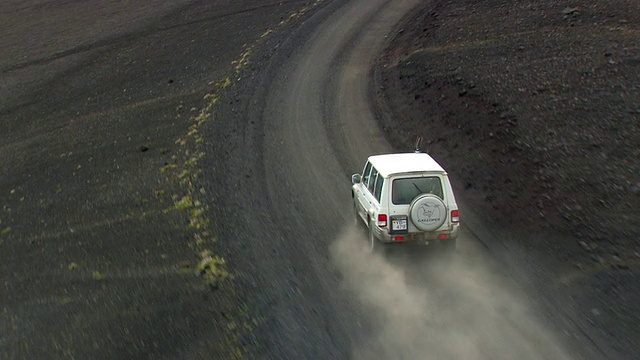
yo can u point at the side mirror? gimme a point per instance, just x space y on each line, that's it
356 179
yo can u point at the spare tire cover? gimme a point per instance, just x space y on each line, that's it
427 212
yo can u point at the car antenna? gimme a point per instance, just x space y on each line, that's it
418 142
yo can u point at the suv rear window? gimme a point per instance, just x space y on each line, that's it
405 190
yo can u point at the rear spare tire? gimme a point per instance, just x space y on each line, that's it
427 212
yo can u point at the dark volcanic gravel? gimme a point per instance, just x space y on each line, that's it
534 108
100 223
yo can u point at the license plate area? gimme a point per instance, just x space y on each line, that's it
399 224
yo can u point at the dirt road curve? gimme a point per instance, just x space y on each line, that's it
135 139
301 127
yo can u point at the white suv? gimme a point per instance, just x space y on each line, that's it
406 199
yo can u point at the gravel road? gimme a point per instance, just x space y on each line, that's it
136 138
295 131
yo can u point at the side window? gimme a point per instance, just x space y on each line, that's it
365 174
372 180
378 189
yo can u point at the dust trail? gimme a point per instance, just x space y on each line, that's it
429 310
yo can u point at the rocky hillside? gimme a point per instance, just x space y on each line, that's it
534 107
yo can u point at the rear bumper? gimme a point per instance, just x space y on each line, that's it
425 238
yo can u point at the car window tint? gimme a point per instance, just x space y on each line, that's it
378 189
365 174
406 189
372 179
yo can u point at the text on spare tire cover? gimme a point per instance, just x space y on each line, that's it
429 213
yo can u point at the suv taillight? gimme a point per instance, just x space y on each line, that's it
455 216
382 220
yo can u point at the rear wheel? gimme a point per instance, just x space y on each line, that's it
375 246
